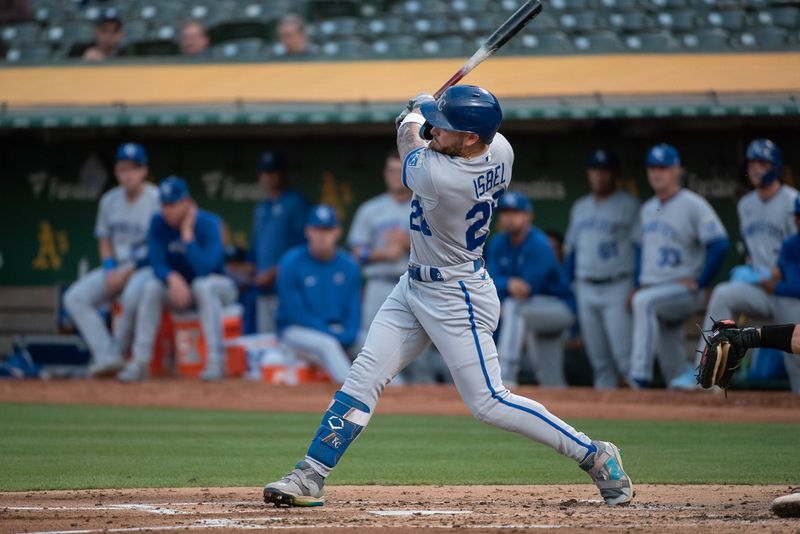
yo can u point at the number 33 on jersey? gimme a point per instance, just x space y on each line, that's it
454 200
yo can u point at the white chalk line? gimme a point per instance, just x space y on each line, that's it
407 513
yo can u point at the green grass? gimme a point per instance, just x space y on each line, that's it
63 447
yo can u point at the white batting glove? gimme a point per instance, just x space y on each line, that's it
414 102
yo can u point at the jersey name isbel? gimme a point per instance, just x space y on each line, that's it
488 181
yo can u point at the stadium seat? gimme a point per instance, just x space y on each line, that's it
678 20
470 6
571 5
658 5
706 39
136 30
33 54
166 32
452 46
587 20
153 47
620 5
236 30
630 21
425 8
730 20
786 17
655 41
325 9
602 41
339 27
554 42
246 49
344 48
764 38
397 46
432 26
21 34
387 26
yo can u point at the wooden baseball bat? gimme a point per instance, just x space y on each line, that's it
500 37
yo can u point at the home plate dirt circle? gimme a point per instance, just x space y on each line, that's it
398 509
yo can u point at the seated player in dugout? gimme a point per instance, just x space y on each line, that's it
683 245
187 256
534 294
766 219
319 292
123 219
278 226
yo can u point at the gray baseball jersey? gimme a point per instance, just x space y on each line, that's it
601 234
454 199
125 223
674 235
372 220
764 225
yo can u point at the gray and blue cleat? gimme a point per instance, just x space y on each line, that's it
302 487
605 468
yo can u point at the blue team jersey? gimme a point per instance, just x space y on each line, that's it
533 260
203 256
323 295
789 264
278 226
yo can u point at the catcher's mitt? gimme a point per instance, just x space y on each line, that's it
726 345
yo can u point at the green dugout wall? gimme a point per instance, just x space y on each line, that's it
52 178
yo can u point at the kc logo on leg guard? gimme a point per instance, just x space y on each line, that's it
340 426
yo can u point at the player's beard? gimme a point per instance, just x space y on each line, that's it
456 149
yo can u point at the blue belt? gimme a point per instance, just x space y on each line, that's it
610 279
436 275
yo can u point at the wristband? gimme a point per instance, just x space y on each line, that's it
416 118
365 254
109 264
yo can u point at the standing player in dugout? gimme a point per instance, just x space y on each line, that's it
458 168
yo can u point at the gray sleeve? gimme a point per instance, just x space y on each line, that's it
360 229
101 226
707 222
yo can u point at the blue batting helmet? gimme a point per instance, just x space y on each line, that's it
766 150
464 108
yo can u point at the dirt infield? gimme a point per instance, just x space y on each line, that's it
399 509
740 406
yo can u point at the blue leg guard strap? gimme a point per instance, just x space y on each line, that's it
342 423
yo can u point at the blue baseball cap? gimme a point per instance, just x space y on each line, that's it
323 216
603 159
663 155
109 14
797 205
271 162
515 201
132 152
172 189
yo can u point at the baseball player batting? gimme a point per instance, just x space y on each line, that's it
458 168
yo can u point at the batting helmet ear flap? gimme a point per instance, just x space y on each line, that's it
425 131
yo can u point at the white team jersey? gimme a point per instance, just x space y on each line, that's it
601 233
125 223
764 225
454 199
674 236
370 224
